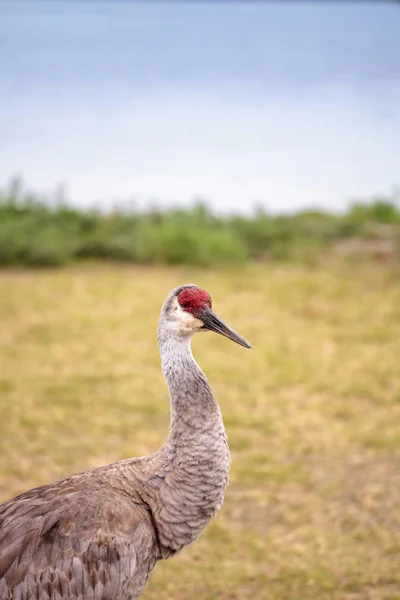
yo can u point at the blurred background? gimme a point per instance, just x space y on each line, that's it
252 148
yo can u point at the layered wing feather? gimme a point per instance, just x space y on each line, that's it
75 539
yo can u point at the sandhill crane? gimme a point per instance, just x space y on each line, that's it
98 534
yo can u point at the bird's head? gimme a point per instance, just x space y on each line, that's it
188 310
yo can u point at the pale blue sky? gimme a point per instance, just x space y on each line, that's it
286 104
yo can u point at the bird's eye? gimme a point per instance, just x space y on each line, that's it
185 305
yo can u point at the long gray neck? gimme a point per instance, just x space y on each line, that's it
193 405
186 479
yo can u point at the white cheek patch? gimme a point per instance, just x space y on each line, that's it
187 320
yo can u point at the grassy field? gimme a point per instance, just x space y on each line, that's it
312 413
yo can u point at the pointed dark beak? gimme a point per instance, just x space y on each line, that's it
214 323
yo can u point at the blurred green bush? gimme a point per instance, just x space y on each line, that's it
40 232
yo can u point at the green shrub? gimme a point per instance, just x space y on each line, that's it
37 231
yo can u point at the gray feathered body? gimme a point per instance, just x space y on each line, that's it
97 535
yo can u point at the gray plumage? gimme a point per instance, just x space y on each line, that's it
98 534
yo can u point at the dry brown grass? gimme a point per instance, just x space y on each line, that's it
312 413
